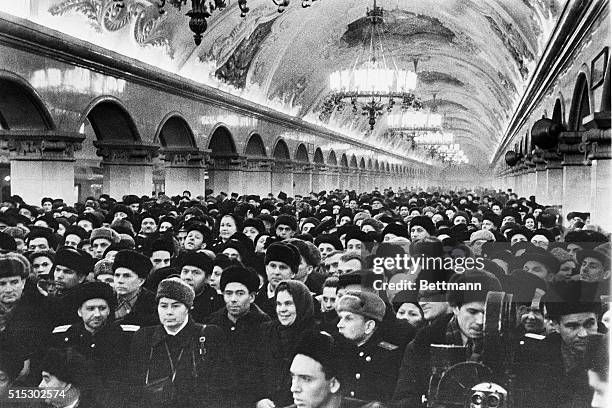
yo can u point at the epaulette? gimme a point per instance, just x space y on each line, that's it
535 336
129 327
61 329
387 346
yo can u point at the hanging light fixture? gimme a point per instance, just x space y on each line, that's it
202 9
373 83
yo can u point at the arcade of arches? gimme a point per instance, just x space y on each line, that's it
77 119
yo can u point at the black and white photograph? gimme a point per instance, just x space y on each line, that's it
305 204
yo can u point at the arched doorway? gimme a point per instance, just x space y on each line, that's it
259 172
318 175
225 171
302 177
282 176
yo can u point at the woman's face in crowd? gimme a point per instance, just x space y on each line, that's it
530 223
259 246
227 228
232 253
410 312
172 313
250 232
285 308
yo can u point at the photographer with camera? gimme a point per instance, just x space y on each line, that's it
463 328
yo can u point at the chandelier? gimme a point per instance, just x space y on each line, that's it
202 9
371 85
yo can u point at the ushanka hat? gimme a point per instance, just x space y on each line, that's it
96 290
134 261
242 275
363 303
283 252
423 221
176 289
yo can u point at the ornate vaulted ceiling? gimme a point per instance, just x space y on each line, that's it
475 56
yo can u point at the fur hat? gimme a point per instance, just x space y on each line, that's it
134 261
399 230
287 220
13 264
308 250
329 239
103 267
362 303
76 259
482 235
242 275
105 233
68 366
197 259
283 252
96 290
174 288
423 221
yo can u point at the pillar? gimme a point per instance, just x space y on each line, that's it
539 189
554 183
34 179
576 185
601 193
282 178
257 177
43 165
226 174
184 170
302 179
124 179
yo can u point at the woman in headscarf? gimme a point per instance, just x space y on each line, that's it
295 317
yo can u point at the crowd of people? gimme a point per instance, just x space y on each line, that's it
335 299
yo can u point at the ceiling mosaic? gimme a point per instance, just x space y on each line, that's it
475 56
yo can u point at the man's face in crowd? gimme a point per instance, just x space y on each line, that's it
573 249
165 226
488 225
47 206
237 299
94 313
475 222
530 223
194 240
436 218
353 204
328 298
592 270
496 210
171 313
232 253
470 317
376 205
536 268
354 327
148 226
532 319
345 219
72 240
181 236
66 278
307 227
135 207
309 386
99 245
194 277
540 240
284 231
575 328
418 233
516 238
160 259
459 220
11 289
331 264
41 265
410 312
303 270
86 225
51 381
433 304
507 219
348 266
277 272
215 278
38 244
353 245
601 390
404 211
126 282
325 249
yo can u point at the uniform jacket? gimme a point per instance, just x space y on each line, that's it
108 349
203 372
242 338
542 379
144 312
354 403
373 369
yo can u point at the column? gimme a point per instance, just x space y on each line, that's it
258 176
282 177
539 189
601 193
127 167
185 170
225 173
318 177
576 184
42 164
302 178
554 183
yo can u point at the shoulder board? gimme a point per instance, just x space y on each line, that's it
129 327
61 329
535 336
387 346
